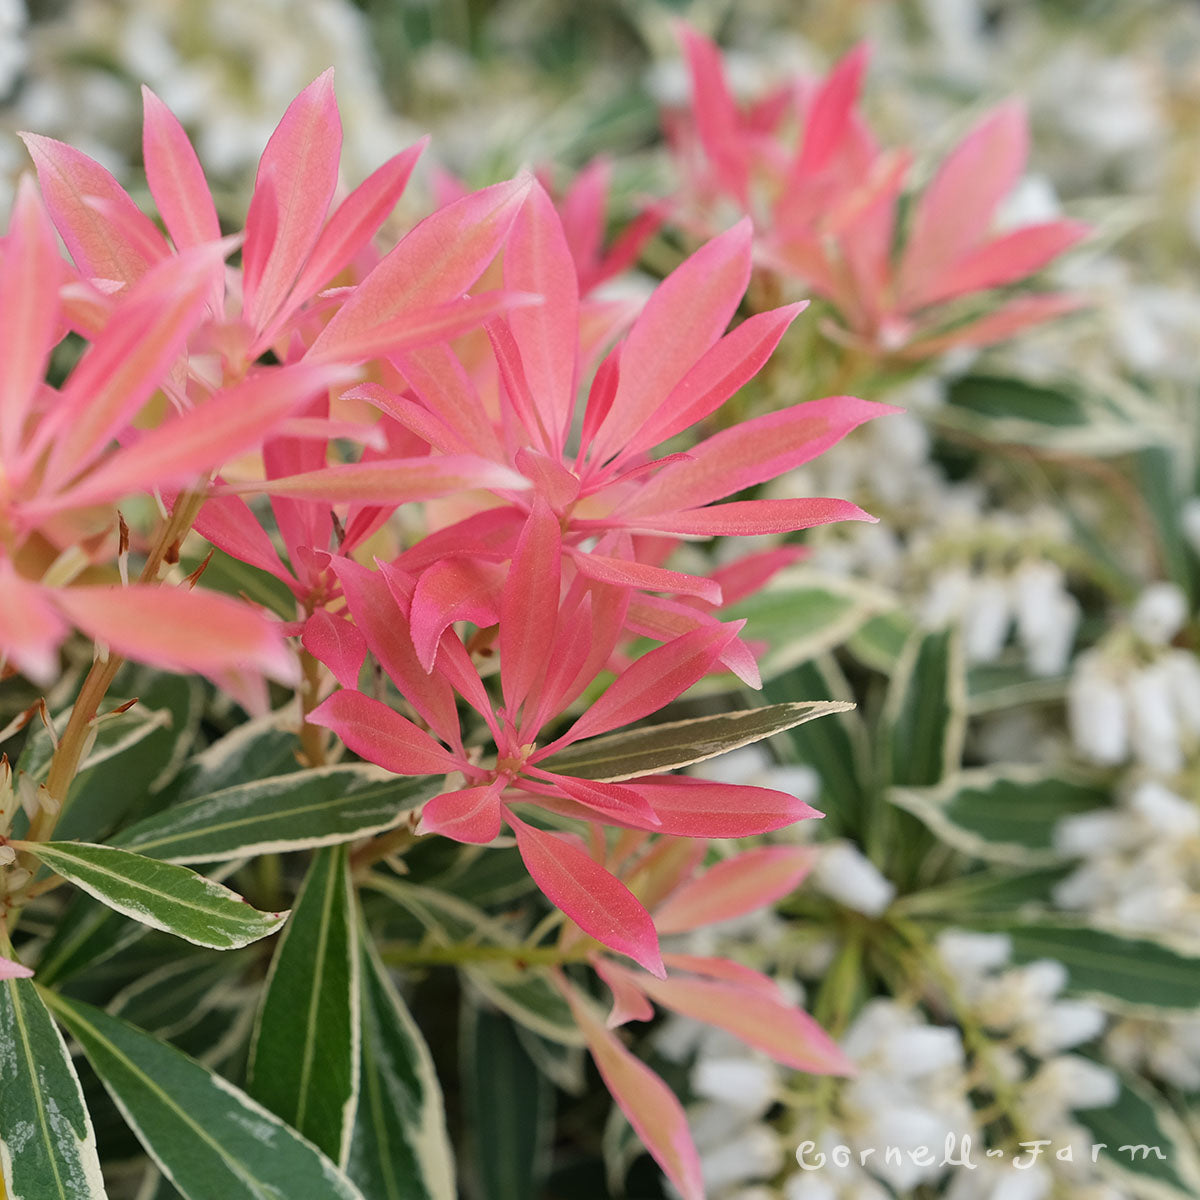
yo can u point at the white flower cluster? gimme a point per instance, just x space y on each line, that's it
1139 863
1133 696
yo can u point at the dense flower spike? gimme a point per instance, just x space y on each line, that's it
826 201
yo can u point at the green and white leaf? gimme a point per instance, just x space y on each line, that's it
926 710
509 1107
304 1057
47 1145
1132 976
208 1137
996 892
399 1149
802 613
879 642
993 687
173 998
162 895
323 806
87 933
674 744
1004 815
1147 1150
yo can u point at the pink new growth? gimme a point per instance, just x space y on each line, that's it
826 198
666 875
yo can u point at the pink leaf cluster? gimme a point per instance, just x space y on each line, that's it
826 200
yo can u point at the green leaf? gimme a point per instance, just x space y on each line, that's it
162 895
925 714
509 1108
47 1146
210 1139
838 750
1145 1143
1136 976
230 575
1005 815
259 749
304 1055
87 933
171 999
674 744
993 687
319 807
802 615
1000 893
399 1149
879 643
1006 410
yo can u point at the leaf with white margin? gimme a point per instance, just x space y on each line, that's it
209 1138
162 895
47 1146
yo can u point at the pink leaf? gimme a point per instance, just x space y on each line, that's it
997 326
284 220
433 264
338 644
1003 260
384 624
190 446
719 372
356 220
454 589
529 605
629 1001
686 314
652 682
652 1108
701 808
724 969
391 481
718 121
29 312
228 523
108 245
30 629
598 902
550 477
13 970
628 573
608 799
787 1034
754 451
411 330
538 260
471 815
129 359
734 887
175 177
956 209
177 630
745 518
827 121
382 736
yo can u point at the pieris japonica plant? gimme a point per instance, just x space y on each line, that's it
365 592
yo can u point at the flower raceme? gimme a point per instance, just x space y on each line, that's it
826 200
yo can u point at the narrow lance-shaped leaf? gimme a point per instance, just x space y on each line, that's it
162 895
677 744
304 1057
318 807
399 1149
209 1138
47 1147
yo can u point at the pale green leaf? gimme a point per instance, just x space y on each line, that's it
161 895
